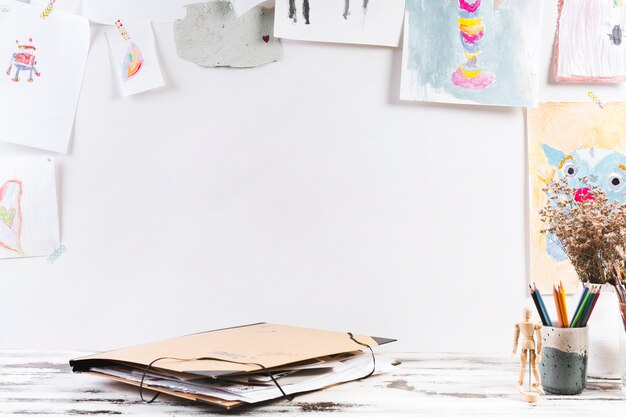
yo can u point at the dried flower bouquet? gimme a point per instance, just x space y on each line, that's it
589 228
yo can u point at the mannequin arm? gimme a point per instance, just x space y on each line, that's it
539 340
515 339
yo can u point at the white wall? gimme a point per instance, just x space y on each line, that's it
301 192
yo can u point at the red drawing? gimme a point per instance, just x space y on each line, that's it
24 60
11 216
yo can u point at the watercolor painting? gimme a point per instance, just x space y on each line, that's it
589 44
369 22
571 140
471 52
29 224
24 60
472 30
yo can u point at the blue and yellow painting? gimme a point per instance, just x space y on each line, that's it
577 142
471 51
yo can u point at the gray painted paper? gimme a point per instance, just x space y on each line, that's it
212 35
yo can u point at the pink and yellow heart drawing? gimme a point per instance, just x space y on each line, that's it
11 216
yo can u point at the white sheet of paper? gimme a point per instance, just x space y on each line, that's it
29 223
349 370
149 75
107 12
241 7
40 113
371 22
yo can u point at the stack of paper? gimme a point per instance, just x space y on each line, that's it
241 365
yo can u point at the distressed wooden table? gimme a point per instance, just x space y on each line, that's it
41 383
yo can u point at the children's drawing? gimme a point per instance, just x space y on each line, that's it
601 167
29 223
132 62
135 60
373 22
589 43
24 60
471 51
47 67
11 216
472 28
571 141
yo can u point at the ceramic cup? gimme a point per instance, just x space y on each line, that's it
563 365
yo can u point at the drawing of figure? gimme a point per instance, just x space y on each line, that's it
306 10
24 60
468 74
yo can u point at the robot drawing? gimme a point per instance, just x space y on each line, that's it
24 60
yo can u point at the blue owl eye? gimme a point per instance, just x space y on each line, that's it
616 182
569 169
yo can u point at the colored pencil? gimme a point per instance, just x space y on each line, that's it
537 306
543 308
563 314
579 307
557 304
563 305
587 309
593 305
576 320
580 302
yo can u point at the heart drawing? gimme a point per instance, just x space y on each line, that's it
11 216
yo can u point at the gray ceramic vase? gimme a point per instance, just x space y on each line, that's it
564 362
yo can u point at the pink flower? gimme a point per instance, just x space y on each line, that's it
583 194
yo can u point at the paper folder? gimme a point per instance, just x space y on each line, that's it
226 352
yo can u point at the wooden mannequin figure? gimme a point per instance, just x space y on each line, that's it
530 356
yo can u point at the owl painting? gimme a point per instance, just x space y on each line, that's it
571 141
603 168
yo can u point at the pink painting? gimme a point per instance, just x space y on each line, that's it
589 44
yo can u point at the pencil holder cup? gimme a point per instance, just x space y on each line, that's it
563 364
